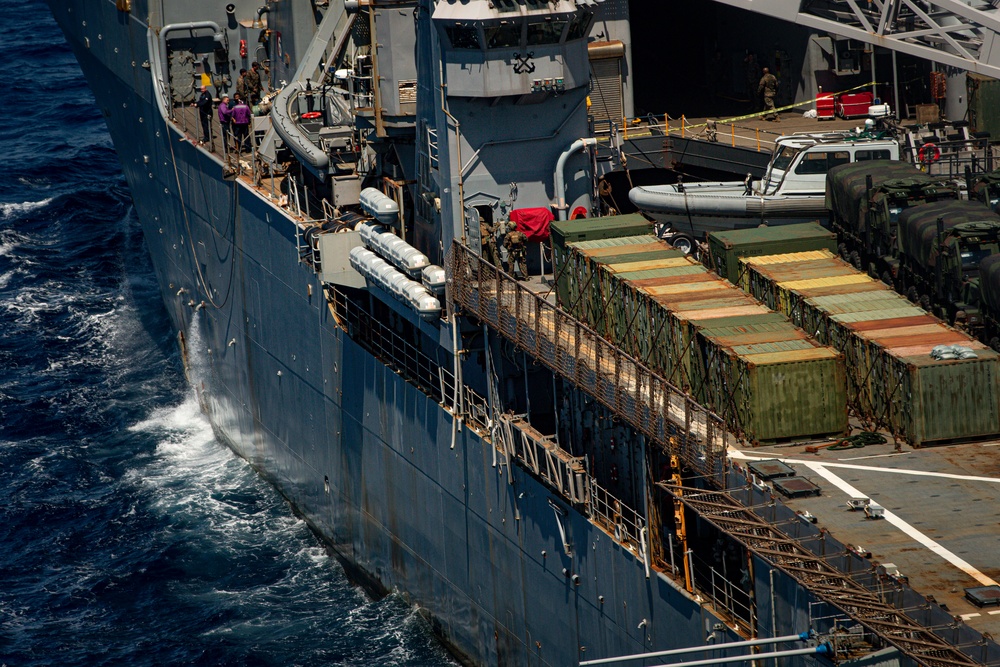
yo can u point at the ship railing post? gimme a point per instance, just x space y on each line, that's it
673 565
689 554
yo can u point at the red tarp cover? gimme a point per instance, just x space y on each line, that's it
533 221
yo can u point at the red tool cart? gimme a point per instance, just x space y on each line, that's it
854 105
825 106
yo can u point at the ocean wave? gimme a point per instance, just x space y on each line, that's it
8 211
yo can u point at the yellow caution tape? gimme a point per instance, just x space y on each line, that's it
729 121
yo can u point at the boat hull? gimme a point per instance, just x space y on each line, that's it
703 208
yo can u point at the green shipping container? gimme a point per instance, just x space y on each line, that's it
707 336
566 263
564 232
777 395
726 248
892 381
984 104
948 397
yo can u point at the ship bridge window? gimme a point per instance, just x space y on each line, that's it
463 37
579 27
820 163
882 154
545 32
507 35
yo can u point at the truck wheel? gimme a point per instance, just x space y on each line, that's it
925 302
887 279
842 249
995 343
855 259
912 295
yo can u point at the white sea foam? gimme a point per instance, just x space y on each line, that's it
8 211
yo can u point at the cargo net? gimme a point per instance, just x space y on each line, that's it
633 392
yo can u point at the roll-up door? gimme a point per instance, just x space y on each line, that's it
606 80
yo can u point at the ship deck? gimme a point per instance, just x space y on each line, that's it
942 504
942 513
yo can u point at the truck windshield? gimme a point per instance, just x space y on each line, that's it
972 255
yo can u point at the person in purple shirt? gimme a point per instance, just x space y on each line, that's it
241 123
225 117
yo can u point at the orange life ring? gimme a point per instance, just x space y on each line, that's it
929 153
311 115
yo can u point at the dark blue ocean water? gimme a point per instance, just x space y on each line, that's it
128 534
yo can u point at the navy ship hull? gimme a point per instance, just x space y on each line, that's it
409 499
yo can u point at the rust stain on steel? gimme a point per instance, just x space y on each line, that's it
944 337
759 337
790 356
596 253
646 265
679 302
912 321
753 309
887 334
650 284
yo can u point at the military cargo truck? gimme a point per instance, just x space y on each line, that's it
865 199
940 248
989 300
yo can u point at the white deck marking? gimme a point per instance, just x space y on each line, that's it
993 613
737 454
966 617
875 456
964 566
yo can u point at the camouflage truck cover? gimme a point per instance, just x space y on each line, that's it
989 283
895 184
918 227
985 187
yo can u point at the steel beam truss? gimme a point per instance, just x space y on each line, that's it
829 584
959 33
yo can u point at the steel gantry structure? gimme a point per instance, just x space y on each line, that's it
956 33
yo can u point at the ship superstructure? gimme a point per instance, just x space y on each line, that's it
543 492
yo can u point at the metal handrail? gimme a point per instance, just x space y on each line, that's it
631 390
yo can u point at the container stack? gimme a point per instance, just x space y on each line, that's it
907 371
727 247
563 232
766 378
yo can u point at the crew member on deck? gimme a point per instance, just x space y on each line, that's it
253 84
241 124
517 249
769 86
225 119
488 240
241 84
204 105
